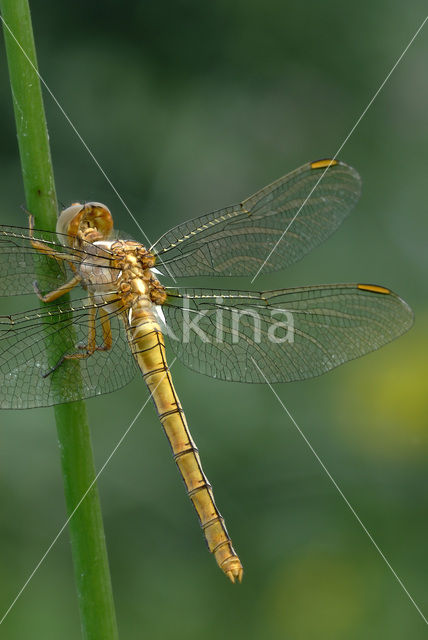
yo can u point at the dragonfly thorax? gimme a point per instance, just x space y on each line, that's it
135 263
122 268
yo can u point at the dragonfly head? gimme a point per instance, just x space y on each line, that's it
91 221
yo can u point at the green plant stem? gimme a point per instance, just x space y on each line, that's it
86 528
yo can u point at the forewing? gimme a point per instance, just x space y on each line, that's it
32 343
281 336
307 204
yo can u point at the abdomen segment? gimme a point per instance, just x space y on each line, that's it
148 346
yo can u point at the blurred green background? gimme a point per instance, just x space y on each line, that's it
190 106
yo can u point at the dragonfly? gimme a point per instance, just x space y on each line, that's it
95 343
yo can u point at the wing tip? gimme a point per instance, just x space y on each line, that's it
378 289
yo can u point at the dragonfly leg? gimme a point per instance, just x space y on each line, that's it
87 350
57 293
107 335
43 247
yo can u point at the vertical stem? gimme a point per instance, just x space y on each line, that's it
86 527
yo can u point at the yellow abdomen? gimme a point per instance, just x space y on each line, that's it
147 344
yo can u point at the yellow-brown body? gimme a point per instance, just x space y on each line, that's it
117 275
148 346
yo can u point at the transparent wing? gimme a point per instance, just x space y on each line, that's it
24 359
281 336
21 264
237 240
